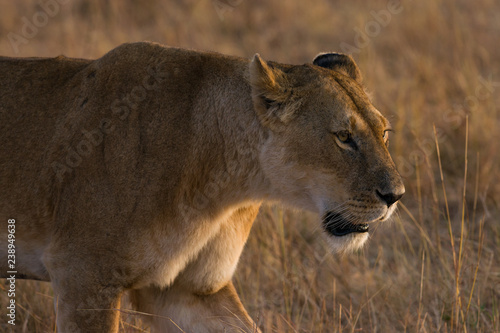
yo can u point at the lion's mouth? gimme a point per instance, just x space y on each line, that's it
336 225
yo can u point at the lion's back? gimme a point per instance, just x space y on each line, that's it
141 97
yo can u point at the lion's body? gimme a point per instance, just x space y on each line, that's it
141 171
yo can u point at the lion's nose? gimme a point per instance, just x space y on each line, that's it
390 198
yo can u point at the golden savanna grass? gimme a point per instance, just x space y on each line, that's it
433 67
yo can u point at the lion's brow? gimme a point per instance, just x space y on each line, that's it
350 91
387 123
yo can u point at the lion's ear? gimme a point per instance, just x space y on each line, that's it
340 63
271 93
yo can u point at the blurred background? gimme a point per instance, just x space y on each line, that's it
432 67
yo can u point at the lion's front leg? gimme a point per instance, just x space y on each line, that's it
82 309
203 299
86 299
175 309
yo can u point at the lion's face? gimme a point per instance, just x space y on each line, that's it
327 149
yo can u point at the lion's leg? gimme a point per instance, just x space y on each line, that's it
86 298
202 298
177 310
81 308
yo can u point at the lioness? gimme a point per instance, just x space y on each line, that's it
143 171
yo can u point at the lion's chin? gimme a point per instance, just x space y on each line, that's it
347 243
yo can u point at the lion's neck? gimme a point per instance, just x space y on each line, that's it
228 172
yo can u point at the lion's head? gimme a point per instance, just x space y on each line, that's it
327 145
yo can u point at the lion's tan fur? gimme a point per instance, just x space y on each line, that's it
143 171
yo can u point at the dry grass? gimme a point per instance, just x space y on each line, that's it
433 269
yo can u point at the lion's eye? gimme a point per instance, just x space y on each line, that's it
386 137
344 136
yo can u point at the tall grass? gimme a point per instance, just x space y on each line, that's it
435 267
